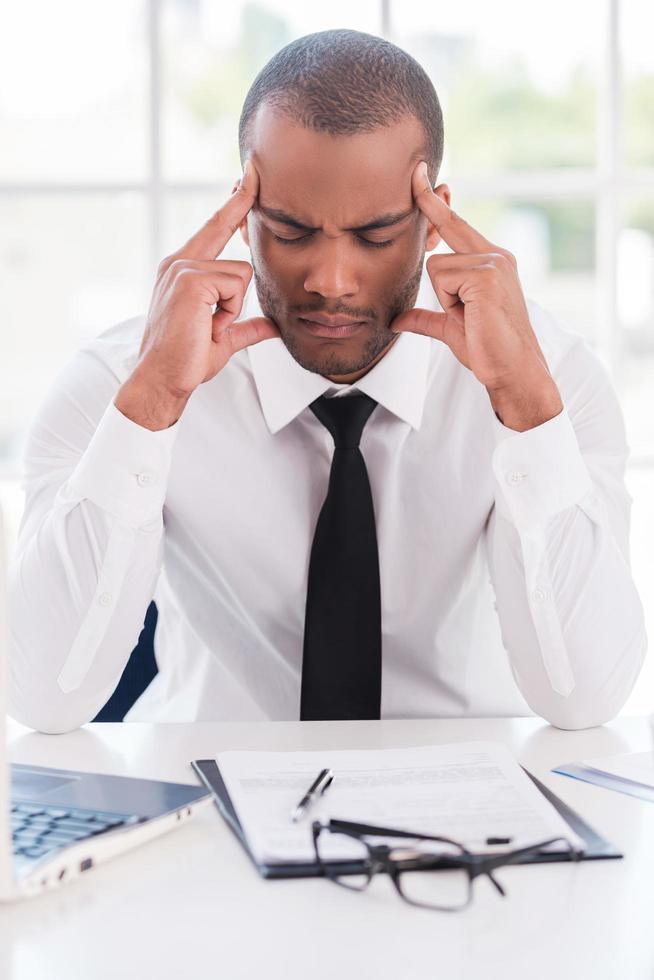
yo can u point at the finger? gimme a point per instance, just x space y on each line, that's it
212 237
420 321
450 271
229 294
234 267
244 333
454 230
446 298
449 261
462 281
501 258
215 288
229 304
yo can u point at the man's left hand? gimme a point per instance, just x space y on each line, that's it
485 322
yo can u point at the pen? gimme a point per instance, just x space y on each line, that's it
322 781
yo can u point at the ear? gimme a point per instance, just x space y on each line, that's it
433 238
243 228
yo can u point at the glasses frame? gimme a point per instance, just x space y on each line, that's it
383 858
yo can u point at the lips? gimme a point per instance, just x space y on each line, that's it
331 321
331 327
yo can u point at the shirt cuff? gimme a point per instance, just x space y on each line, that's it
124 469
539 472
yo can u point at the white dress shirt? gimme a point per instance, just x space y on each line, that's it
504 556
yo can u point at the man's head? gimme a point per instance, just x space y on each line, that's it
335 124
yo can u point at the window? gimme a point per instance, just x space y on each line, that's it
123 141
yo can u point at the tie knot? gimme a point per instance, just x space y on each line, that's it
345 417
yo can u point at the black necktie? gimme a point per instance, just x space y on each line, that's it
341 664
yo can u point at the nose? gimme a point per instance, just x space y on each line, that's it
332 271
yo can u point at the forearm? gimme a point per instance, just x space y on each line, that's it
558 537
147 403
535 400
86 563
570 616
78 592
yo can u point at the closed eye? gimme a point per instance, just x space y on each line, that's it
303 238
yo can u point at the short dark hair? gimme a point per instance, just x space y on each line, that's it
344 82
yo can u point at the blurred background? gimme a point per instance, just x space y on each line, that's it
118 136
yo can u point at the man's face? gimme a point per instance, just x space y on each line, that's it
314 250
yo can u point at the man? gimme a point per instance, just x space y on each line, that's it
344 504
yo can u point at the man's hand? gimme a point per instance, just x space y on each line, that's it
185 343
486 322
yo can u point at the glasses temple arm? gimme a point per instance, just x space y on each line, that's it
373 831
497 860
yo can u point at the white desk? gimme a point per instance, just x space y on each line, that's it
191 905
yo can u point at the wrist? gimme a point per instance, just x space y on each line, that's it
527 404
148 403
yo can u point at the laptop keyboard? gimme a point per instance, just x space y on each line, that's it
37 829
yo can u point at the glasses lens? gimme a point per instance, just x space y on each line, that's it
441 887
346 859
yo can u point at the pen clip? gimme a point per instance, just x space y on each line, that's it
327 783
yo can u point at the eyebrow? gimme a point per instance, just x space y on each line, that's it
383 221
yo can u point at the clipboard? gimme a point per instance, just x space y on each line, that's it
596 846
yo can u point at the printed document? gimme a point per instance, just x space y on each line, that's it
467 791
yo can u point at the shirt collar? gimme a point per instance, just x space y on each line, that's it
398 381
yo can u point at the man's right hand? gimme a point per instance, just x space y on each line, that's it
184 342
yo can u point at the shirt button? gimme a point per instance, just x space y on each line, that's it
539 595
105 598
145 478
515 478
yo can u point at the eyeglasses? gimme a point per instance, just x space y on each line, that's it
438 878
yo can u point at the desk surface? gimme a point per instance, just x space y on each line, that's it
191 904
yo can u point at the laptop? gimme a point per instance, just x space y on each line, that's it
56 824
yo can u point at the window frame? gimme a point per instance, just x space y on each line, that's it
607 184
